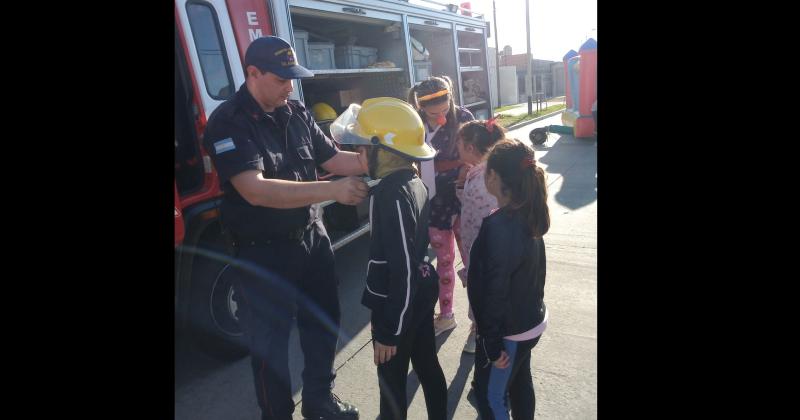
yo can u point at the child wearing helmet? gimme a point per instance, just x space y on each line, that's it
434 100
401 287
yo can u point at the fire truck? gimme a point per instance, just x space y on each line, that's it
357 49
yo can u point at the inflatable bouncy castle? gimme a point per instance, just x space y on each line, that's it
581 89
566 59
571 66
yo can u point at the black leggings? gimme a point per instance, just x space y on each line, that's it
419 346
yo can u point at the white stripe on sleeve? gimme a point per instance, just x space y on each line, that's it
408 265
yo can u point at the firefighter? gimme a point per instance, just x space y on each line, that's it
266 149
401 287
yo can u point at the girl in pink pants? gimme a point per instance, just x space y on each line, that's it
433 98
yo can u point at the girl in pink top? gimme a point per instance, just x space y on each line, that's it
474 141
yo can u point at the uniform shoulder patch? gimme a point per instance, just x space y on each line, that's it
224 145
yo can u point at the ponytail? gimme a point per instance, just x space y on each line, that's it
525 181
534 200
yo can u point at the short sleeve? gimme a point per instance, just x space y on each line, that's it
231 149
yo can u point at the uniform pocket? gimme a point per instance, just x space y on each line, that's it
273 164
309 165
378 278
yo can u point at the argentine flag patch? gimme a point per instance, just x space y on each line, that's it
224 145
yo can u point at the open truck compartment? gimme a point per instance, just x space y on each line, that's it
369 54
473 71
369 60
437 37
373 54
358 52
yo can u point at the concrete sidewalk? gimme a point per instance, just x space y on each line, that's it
564 362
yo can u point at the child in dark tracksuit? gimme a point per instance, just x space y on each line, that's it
401 287
401 295
506 282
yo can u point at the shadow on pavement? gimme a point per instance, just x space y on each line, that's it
574 160
412 381
456 387
192 365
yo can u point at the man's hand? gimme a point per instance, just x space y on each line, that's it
346 163
502 361
383 352
349 190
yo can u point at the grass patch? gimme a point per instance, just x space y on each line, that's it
505 108
508 120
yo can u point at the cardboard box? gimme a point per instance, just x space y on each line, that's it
350 96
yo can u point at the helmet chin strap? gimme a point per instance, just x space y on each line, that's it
383 161
372 161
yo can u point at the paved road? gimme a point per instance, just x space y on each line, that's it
564 362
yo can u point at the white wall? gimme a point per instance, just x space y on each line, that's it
508 85
492 76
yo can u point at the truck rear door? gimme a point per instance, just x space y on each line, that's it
215 62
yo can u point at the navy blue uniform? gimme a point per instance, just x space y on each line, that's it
285 255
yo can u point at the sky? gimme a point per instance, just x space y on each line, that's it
556 25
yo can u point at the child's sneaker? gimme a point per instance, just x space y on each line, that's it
442 324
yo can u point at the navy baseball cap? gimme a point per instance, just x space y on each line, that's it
275 55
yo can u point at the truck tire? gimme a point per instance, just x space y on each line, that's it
212 310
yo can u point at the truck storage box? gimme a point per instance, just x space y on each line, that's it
301 46
355 57
350 96
422 70
320 56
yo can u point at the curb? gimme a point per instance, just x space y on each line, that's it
526 122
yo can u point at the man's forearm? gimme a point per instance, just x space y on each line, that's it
346 163
282 194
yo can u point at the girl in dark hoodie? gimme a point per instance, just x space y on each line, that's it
506 282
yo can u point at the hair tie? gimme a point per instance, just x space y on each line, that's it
527 162
490 123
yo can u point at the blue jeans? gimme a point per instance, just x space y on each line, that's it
494 387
